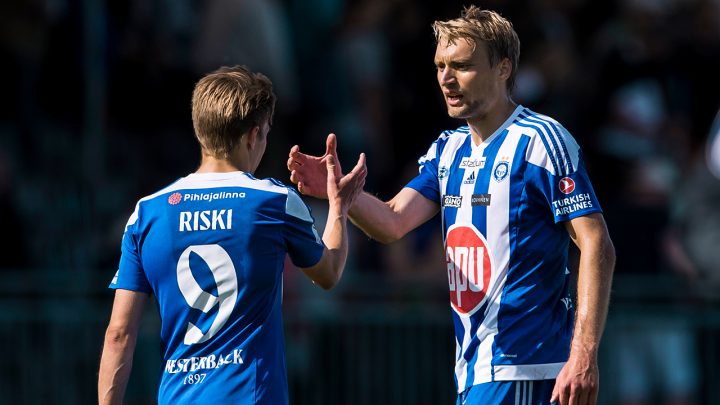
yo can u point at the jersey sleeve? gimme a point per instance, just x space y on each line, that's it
130 274
427 182
571 195
305 247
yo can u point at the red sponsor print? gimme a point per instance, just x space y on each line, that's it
175 198
567 185
469 268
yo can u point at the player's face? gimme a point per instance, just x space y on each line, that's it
470 86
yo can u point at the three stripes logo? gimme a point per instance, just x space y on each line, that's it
470 179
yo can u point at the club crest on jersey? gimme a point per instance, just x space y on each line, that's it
442 172
469 268
501 170
567 185
453 201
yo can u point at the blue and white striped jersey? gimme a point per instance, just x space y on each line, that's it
211 248
502 205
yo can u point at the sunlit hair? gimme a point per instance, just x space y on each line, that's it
226 104
478 26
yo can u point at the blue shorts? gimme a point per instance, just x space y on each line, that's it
536 392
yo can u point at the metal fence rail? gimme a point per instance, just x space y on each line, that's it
372 342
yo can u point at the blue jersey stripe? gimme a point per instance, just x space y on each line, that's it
558 134
454 182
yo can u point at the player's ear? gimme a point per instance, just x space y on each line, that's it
252 137
504 69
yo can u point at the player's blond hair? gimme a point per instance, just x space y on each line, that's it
478 26
226 104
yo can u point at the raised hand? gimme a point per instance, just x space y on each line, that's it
310 172
342 191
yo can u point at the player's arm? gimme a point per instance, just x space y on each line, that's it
341 193
578 381
120 338
383 221
389 221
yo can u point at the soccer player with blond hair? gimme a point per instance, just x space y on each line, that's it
512 191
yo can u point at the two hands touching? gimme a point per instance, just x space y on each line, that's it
321 176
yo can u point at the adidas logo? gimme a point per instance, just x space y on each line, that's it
470 179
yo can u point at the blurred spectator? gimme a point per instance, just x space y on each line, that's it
657 358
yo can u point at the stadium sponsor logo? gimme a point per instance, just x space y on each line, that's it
442 172
501 170
470 179
482 200
205 220
567 185
469 163
193 364
452 201
569 205
469 268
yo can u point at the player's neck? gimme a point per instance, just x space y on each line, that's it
482 127
210 164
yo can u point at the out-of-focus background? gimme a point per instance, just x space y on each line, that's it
96 114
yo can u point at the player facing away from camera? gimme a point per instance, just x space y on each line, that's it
512 191
211 248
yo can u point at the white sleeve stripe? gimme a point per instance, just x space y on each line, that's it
558 134
541 135
552 145
296 207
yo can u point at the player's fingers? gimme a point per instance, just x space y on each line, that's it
582 396
294 149
301 187
294 177
360 163
592 399
554 396
330 164
331 145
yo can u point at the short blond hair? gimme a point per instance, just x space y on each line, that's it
226 104
477 26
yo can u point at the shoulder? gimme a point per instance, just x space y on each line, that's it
449 139
294 204
551 145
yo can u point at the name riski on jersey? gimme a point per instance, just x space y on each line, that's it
205 220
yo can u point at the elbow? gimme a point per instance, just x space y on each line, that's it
326 284
117 338
387 238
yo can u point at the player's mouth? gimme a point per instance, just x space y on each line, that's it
453 99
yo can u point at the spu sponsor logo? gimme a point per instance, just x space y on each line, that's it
469 268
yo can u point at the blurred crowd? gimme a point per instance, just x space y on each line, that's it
96 114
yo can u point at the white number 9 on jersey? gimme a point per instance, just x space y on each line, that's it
223 272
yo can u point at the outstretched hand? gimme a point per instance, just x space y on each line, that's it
310 172
343 191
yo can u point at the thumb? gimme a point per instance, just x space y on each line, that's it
331 145
330 164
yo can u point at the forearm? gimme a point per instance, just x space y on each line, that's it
115 366
597 263
336 241
377 219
